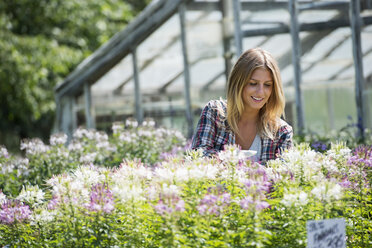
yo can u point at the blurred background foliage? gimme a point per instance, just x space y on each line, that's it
41 42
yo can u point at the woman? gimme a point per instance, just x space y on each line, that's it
251 115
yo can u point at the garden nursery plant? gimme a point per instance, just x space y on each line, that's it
142 187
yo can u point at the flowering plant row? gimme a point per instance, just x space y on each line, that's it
41 161
191 201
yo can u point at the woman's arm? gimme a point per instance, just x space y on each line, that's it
286 138
204 137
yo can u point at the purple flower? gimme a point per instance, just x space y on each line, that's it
180 206
248 182
52 204
13 211
188 145
319 146
209 199
345 183
362 156
214 204
262 205
176 205
202 209
246 202
225 198
162 209
101 199
215 210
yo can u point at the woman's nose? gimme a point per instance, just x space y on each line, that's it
260 88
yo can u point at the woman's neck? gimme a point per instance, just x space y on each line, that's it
249 117
247 128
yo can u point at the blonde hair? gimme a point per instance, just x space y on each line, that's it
242 71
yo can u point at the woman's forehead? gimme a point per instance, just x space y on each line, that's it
261 72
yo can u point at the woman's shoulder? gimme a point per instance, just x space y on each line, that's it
283 127
216 110
216 107
217 104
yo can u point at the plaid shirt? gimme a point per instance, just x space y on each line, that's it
213 132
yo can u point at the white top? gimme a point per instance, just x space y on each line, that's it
256 146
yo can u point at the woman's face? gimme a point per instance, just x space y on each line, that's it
258 89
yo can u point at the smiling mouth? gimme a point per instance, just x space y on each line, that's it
257 98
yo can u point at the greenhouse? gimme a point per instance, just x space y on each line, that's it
176 56
139 155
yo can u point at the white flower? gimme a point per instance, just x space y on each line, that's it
164 174
34 146
330 165
148 123
327 191
182 174
289 199
170 191
126 193
75 146
76 186
131 123
58 139
335 191
144 133
302 164
4 152
88 158
298 198
60 184
339 151
2 198
125 137
152 193
231 154
45 216
88 175
32 195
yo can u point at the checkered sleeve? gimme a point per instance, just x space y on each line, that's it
206 131
285 138
271 149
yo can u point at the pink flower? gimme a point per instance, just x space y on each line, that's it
14 211
101 199
246 202
262 205
52 204
180 206
162 209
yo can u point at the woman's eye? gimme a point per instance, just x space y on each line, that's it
268 85
252 83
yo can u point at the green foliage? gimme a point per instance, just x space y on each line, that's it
191 201
41 42
348 135
86 147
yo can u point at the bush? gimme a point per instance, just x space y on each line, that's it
41 161
191 201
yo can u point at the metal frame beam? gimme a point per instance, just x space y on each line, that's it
110 54
314 26
296 61
89 120
186 73
149 61
263 5
137 89
237 30
356 24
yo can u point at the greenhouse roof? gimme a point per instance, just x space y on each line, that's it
327 58
326 45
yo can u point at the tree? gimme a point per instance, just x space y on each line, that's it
41 42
